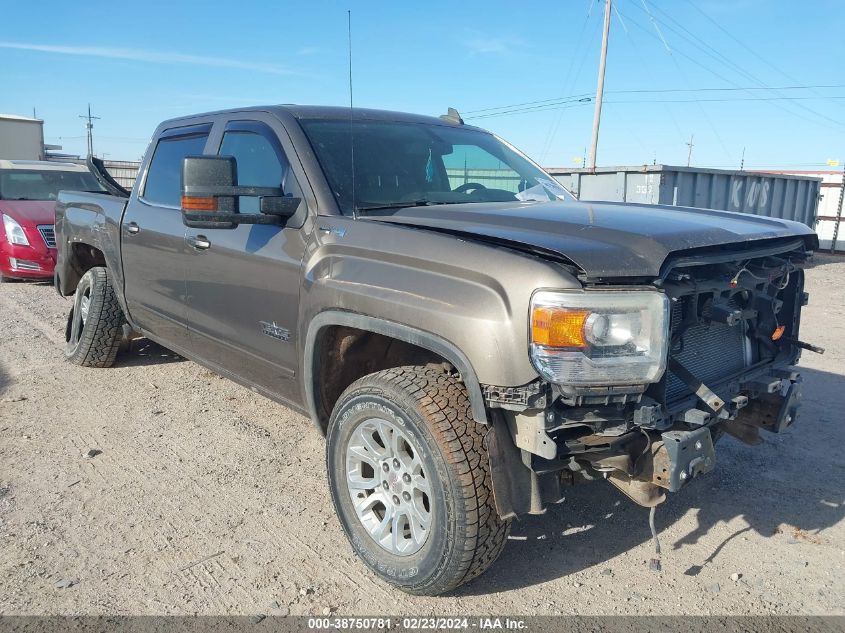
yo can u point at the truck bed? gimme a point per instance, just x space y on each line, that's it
92 219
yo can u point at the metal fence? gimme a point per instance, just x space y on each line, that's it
123 171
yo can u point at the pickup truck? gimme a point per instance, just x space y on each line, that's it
469 338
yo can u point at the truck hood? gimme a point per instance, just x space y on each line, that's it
30 212
605 240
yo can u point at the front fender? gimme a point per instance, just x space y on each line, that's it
472 295
420 338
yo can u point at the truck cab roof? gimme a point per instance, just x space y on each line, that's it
327 113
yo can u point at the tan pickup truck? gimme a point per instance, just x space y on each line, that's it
468 336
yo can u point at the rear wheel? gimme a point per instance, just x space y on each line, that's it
95 324
410 480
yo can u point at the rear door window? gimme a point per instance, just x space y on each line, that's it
164 176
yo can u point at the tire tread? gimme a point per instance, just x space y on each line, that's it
103 331
443 400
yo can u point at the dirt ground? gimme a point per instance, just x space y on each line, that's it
209 499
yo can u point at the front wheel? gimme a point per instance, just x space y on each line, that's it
410 480
95 323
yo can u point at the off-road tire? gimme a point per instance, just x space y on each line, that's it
466 534
102 331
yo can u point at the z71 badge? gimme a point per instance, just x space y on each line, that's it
275 331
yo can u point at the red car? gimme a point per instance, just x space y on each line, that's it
28 193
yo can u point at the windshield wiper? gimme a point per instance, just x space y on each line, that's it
398 205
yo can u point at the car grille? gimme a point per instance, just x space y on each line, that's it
48 232
711 352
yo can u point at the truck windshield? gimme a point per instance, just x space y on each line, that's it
400 164
28 184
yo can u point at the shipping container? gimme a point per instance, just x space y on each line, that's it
792 197
829 220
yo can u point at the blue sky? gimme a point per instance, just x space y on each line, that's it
138 63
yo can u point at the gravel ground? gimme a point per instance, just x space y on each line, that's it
157 487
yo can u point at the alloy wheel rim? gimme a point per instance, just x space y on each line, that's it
79 315
388 487
84 307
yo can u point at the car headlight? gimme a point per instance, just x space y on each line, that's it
599 337
14 232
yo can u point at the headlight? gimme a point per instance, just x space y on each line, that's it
14 232
599 337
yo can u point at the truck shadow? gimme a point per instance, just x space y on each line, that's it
824 258
142 352
789 487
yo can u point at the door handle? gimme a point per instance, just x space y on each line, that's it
199 242
132 228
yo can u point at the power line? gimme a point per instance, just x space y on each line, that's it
740 69
710 70
734 99
567 85
583 101
730 89
526 103
556 100
564 105
648 70
743 44
720 58
685 79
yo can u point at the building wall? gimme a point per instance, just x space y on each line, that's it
21 139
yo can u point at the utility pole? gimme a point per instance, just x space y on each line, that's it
89 126
600 85
742 162
689 153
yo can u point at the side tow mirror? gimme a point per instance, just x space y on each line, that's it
210 194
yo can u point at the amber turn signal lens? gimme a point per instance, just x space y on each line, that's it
195 203
558 327
778 332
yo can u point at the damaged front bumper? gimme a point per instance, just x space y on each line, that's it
532 462
732 338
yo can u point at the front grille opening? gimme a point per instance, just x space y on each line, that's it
709 350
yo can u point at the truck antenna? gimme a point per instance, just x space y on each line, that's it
351 132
